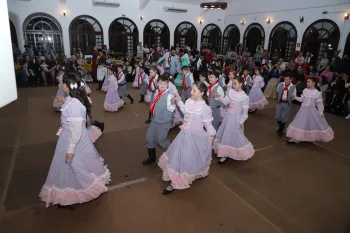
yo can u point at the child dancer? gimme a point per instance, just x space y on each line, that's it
309 124
187 82
222 80
142 82
248 81
231 76
105 84
87 90
189 155
122 90
77 173
112 101
60 92
136 72
151 88
285 92
203 78
215 104
230 141
162 114
257 99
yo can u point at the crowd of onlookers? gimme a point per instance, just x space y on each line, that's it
333 72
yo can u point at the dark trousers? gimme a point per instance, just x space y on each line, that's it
100 83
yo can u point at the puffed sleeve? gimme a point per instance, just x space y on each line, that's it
245 108
225 100
262 83
76 114
181 105
207 118
302 97
319 104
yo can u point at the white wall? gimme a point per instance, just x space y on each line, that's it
237 10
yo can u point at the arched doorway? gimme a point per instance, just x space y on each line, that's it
254 36
156 32
347 46
211 35
42 30
13 33
186 33
85 32
123 36
321 37
283 37
231 38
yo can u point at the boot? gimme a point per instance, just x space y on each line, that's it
279 130
149 119
151 156
142 99
130 98
99 85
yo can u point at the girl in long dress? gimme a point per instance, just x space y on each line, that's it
112 101
136 72
105 84
77 173
56 103
230 141
309 124
257 99
189 156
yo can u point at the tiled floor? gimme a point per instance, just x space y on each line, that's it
283 188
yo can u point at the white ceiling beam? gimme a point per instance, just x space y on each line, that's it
143 4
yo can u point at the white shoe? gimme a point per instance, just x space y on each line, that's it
348 117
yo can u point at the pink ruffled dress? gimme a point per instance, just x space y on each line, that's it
112 101
189 155
60 92
230 141
256 96
85 178
309 124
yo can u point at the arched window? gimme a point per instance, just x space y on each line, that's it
186 33
123 36
13 33
283 38
85 32
254 36
321 37
156 32
347 46
211 35
42 30
231 38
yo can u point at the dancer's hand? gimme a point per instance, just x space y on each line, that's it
61 99
217 95
69 157
175 100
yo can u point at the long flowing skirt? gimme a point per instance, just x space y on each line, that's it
308 125
230 140
112 101
257 99
60 92
187 159
80 181
94 133
105 85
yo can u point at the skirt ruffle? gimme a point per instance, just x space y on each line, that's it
310 136
113 107
236 153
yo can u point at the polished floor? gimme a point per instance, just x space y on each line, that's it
283 188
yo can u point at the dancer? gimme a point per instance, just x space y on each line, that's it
122 90
142 83
136 72
309 125
77 173
230 141
151 88
87 89
112 101
213 102
60 92
257 99
187 82
248 81
189 155
162 114
203 78
101 68
285 92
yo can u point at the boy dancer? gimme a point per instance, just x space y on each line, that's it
187 81
214 103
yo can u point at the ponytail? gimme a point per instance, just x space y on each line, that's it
204 89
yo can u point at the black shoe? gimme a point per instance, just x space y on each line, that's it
167 192
219 162
102 127
142 99
151 156
148 121
130 98
279 132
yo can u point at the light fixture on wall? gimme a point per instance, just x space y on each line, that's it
268 20
64 13
242 22
301 18
346 16
200 21
141 17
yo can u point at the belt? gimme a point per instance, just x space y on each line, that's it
122 84
285 101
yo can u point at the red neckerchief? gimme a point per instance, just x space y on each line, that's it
152 82
119 74
169 59
140 78
153 105
245 77
210 87
184 88
285 89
